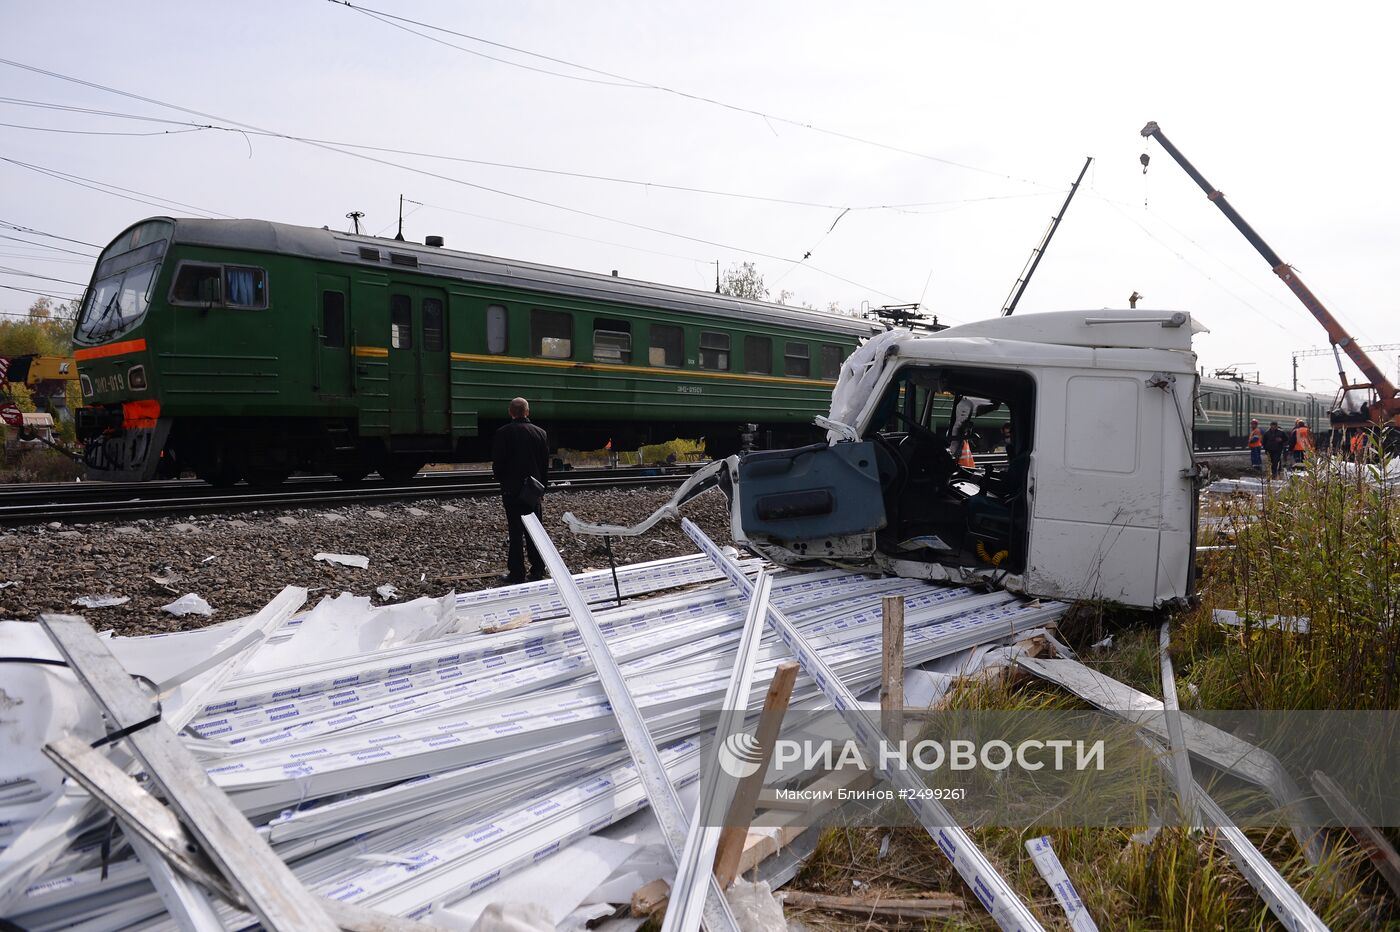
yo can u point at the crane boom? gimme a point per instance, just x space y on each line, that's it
1387 407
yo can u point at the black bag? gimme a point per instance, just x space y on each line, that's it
531 493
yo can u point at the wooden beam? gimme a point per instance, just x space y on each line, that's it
741 808
154 829
1381 852
932 906
892 672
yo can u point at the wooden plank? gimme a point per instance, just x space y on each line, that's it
650 899
264 882
155 832
1382 854
741 808
892 668
932 906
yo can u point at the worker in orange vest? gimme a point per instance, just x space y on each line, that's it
1256 447
1358 444
1302 441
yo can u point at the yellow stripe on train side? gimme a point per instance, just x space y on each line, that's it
634 370
376 352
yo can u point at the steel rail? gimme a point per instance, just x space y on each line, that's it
22 492
991 889
224 501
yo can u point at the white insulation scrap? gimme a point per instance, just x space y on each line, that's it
344 559
187 604
101 601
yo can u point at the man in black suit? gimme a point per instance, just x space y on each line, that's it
519 454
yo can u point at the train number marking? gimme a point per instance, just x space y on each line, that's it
689 389
109 383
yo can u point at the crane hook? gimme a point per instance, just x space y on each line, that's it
1144 159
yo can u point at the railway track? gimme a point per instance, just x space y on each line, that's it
93 501
68 502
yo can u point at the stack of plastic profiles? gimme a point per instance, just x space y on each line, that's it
412 761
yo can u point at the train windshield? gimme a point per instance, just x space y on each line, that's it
121 285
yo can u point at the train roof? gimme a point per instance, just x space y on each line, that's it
322 243
1255 388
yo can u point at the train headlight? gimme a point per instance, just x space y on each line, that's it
136 377
86 383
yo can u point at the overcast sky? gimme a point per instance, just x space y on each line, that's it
980 115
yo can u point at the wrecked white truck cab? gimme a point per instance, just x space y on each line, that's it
1096 499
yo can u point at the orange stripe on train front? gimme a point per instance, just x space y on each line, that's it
111 349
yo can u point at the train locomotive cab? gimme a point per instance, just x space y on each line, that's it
120 422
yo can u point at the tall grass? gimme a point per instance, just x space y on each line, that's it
1324 546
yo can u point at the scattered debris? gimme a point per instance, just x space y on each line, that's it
344 559
187 604
101 601
1043 856
874 906
1295 624
387 592
7 584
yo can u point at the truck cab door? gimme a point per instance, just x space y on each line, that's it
816 502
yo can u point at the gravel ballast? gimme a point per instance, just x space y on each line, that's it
237 563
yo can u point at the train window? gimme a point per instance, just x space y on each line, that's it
797 360
758 355
432 325
230 286
714 350
667 346
332 319
400 321
551 334
612 341
496 321
196 284
830 361
244 287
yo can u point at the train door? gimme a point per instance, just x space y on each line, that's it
418 373
331 374
433 370
405 371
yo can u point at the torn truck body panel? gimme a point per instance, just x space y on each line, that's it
1097 498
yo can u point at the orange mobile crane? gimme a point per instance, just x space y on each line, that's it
1382 411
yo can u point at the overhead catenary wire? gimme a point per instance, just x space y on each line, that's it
565 173
20 228
699 98
152 200
8 270
438 175
1196 268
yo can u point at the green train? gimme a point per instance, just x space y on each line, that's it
244 350
1224 408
